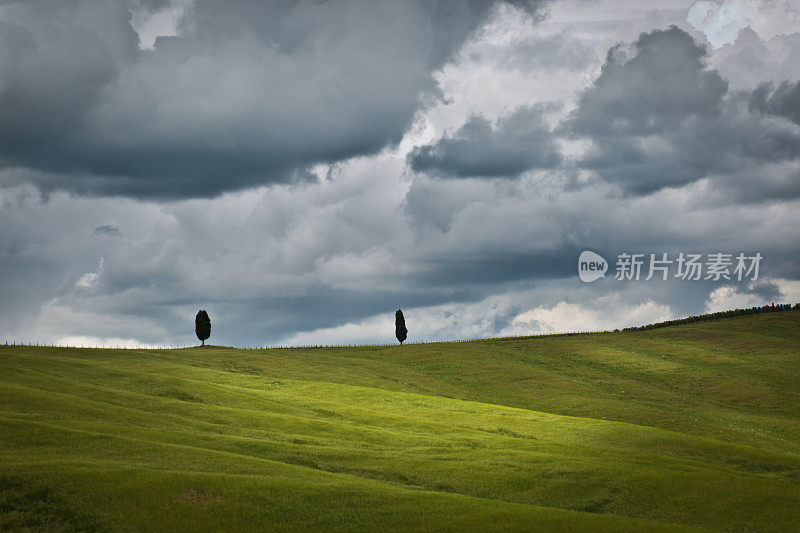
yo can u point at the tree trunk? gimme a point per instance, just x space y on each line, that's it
203 341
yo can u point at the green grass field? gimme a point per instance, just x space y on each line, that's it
685 427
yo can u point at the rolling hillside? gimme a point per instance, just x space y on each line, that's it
688 426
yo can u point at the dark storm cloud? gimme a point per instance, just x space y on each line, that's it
489 270
649 88
783 101
515 143
250 92
656 117
48 87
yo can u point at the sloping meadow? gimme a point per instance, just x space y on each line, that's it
694 426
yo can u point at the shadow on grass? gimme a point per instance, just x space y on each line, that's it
32 505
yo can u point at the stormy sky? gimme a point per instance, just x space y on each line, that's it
303 169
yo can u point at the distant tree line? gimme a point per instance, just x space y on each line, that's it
716 316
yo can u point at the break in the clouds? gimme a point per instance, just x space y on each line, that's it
303 169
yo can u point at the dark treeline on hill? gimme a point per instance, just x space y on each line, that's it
716 316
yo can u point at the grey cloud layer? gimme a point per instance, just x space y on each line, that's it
280 260
250 92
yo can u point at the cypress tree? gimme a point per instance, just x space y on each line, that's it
400 330
202 326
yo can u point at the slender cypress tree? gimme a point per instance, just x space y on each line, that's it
202 326
400 330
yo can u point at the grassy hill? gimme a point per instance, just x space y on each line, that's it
689 426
